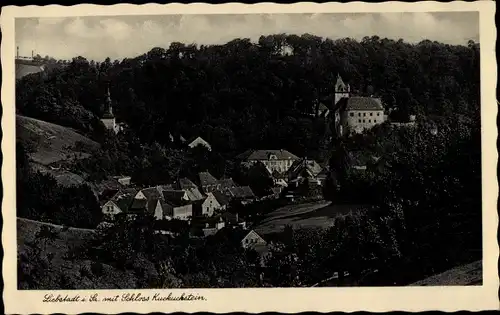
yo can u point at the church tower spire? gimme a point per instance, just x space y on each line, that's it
108 107
108 119
341 89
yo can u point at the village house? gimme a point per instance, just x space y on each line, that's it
274 160
200 141
243 194
355 113
177 205
209 183
306 169
207 206
125 203
221 199
118 204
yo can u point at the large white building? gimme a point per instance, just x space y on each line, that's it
355 113
275 160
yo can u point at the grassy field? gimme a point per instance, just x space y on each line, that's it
53 143
51 266
308 215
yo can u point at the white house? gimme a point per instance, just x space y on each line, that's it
252 239
199 141
208 206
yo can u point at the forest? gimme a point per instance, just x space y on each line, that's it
244 95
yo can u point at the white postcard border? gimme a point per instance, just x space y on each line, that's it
287 300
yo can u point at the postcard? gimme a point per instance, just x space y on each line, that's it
233 157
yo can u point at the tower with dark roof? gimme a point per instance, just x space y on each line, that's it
108 118
342 90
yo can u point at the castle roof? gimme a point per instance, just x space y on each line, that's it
361 103
266 154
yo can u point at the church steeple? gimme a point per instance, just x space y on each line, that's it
341 89
108 107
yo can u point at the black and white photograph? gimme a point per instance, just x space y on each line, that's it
249 150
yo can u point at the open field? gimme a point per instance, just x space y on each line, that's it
53 143
48 263
308 215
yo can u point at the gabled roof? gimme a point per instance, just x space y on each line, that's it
152 205
304 165
151 193
221 199
138 205
200 141
185 183
241 192
207 179
175 197
252 232
194 194
226 183
361 103
123 199
266 154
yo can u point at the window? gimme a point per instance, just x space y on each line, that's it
352 114
374 120
359 114
371 114
364 120
364 114
359 120
369 120
378 114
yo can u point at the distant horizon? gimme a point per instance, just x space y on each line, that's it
119 37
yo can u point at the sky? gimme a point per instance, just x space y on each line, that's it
118 37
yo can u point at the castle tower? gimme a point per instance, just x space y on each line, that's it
108 119
341 90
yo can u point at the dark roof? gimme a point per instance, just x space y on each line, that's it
229 217
152 205
175 197
109 184
265 154
151 193
207 179
221 199
185 183
138 205
124 200
299 166
361 103
242 192
226 183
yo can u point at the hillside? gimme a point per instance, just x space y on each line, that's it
64 270
26 67
470 274
51 143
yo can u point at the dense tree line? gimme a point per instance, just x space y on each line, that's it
251 95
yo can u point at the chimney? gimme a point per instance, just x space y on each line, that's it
17 53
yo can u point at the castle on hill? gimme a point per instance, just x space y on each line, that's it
354 114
